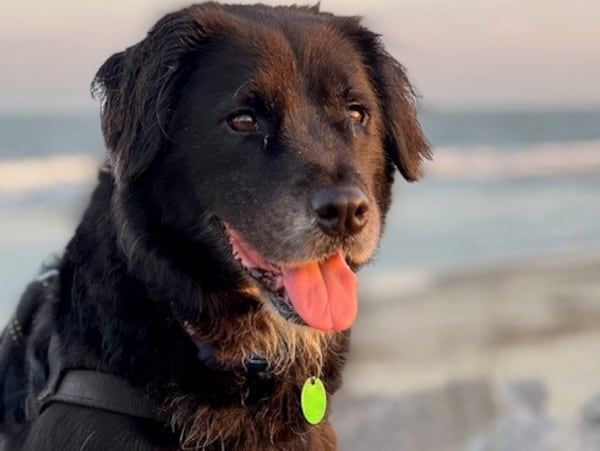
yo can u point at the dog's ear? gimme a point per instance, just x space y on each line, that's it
139 88
405 141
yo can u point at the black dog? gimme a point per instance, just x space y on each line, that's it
251 157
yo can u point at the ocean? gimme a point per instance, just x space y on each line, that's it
503 186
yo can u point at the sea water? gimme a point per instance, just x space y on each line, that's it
503 186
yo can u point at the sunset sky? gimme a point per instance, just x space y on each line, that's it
491 54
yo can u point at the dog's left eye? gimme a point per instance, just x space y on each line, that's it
357 114
243 123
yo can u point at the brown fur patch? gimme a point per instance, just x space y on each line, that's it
246 429
294 353
290 349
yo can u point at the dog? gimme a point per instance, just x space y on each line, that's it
251 155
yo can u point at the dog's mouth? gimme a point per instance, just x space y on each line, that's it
322 293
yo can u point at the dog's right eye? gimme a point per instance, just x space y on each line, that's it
358 114
243 123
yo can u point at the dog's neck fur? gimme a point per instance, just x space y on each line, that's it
247 410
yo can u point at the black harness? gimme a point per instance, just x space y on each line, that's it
80 387
103 391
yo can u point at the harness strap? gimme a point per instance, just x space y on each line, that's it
103 391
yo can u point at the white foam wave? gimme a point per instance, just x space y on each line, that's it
551 159
450 163
34 174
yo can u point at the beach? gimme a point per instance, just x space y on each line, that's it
477 329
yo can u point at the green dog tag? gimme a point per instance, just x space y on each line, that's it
313 400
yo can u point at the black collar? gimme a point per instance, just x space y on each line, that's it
207 355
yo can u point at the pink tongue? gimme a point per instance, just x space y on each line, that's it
324 294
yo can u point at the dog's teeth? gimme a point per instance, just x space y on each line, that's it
255 273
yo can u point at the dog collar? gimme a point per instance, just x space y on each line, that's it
207 355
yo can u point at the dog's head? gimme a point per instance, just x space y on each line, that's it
272 131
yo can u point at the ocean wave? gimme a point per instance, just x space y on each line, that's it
449 163
35 174
542 160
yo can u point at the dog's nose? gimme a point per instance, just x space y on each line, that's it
340 210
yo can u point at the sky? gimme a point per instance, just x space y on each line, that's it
465 54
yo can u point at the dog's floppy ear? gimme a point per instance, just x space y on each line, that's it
405 141
139 88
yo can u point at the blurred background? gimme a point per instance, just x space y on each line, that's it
479 327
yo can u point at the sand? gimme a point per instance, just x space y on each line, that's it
536 320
